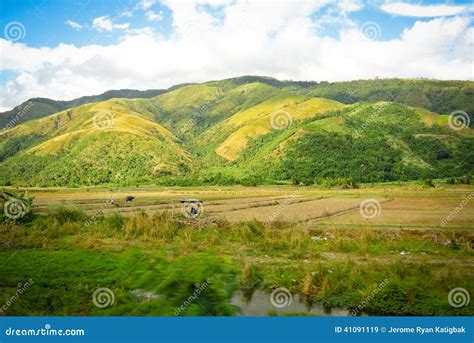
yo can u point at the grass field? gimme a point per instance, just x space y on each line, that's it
380 249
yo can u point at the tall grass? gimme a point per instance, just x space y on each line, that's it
336 267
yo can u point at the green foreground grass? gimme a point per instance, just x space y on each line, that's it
153 264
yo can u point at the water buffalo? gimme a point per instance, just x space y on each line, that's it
129 198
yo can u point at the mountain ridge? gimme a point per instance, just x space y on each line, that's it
236 131
434 99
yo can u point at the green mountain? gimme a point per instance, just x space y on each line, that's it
41 107
437 96
249 130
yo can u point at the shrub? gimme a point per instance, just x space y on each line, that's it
63 215
115 221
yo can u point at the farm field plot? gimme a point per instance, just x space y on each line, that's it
411 205
413 212
293 210
320 245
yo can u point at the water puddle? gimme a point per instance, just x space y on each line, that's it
258 304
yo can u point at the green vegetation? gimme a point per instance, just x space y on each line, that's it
40 107
221 133
153 264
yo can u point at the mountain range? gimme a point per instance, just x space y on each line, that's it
249 130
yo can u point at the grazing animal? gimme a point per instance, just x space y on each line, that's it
129 198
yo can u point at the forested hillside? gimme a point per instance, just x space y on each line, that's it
250 130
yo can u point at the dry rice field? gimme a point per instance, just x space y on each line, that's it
399 206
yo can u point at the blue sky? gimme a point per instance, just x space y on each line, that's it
95 45
47 19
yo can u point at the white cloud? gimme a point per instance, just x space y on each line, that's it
259 38
74 25
146 4
427 11
102 23
105 24
127 14
348 6
122 26
153 16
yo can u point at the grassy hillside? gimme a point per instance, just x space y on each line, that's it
367 143
245 130
191 109
40 107
98 143
434 95
437 96
270 115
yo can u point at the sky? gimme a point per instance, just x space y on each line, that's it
64 49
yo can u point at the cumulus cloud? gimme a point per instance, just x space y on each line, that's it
348 6
74 25
146 4
153 16
105 24
282 42
427 11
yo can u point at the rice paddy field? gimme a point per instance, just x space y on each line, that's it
382 249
